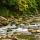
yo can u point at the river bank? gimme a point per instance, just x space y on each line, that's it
22 20
8 25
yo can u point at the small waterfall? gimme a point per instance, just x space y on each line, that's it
10 29
13 28
3 30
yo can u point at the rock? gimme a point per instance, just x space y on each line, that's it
2 18
26 20
1 25
6 20
34 31
3 21
14 39
38 31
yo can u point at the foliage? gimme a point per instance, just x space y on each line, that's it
11 2
27 6
18 7
22 4
38 2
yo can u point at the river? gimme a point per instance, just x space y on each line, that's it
10 29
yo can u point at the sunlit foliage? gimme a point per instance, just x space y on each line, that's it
19 7
27 6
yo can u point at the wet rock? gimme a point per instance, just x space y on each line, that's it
26 20
3 21
38 31
14 39
10 18
2 18
1 25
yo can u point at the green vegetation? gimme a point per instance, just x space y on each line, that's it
19 7
26 37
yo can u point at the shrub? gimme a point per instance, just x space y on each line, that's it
19 7
38 2
27 6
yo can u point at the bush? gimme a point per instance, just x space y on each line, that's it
27 6
38 2
19 7
6 7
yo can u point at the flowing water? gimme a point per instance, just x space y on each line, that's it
26 35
